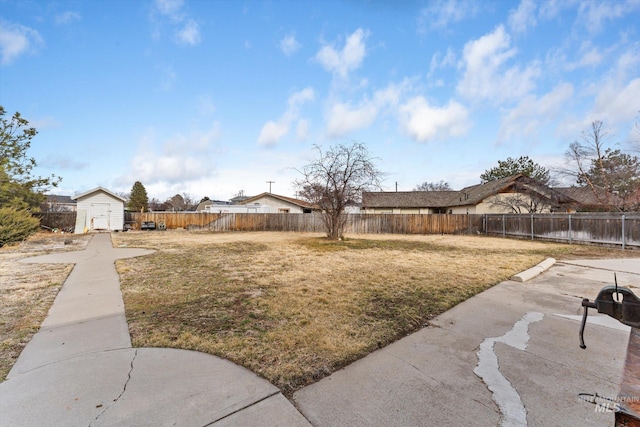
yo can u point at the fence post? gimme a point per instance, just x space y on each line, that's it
570 237
623 236
531 226
504 234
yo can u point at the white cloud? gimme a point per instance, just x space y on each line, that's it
592 14
177 160
170 8
196 141
440 14
617 101
438 61
189 34
289 45
342 118
425 123
273 131
523 17
616 94
590 58
342 61
186 31
48 122
168 77
297 99
59 161
552 8
67 18
16 40
302 130
487 75
526 119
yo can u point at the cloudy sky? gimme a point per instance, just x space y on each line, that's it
214 97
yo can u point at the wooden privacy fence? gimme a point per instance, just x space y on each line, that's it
356 223
65 221
601 228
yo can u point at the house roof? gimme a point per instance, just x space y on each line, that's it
407 199
585 196
95 190
477 193
471 195
291 200
53 198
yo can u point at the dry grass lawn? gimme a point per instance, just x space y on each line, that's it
295 307
27 291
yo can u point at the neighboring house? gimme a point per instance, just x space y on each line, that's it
99 209
279 204
238 199
491 197
203 206
252 208
55 203
586 200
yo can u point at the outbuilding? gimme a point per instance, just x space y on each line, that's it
100 210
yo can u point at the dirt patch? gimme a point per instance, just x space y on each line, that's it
28 290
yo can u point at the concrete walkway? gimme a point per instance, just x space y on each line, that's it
80 368
508 356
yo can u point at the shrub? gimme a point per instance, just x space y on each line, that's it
16 225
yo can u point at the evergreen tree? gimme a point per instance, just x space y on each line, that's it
433 186
19 188
522 165
138 199
20 191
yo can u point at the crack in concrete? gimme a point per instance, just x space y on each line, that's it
124 389
242 408
512 410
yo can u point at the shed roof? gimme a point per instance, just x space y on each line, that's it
96 190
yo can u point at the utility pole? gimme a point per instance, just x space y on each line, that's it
270 182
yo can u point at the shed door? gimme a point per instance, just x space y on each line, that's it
100 216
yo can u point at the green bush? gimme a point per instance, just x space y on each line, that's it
16 225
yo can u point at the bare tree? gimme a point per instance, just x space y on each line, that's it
181 202
612 175
528 195
336 180
433 186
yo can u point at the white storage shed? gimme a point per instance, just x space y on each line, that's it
99 209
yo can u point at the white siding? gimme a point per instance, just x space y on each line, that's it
276 204
92 203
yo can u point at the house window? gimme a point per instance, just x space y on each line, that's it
283 210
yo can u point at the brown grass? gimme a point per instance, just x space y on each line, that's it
27 291
295 307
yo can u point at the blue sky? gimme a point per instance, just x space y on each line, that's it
214 97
